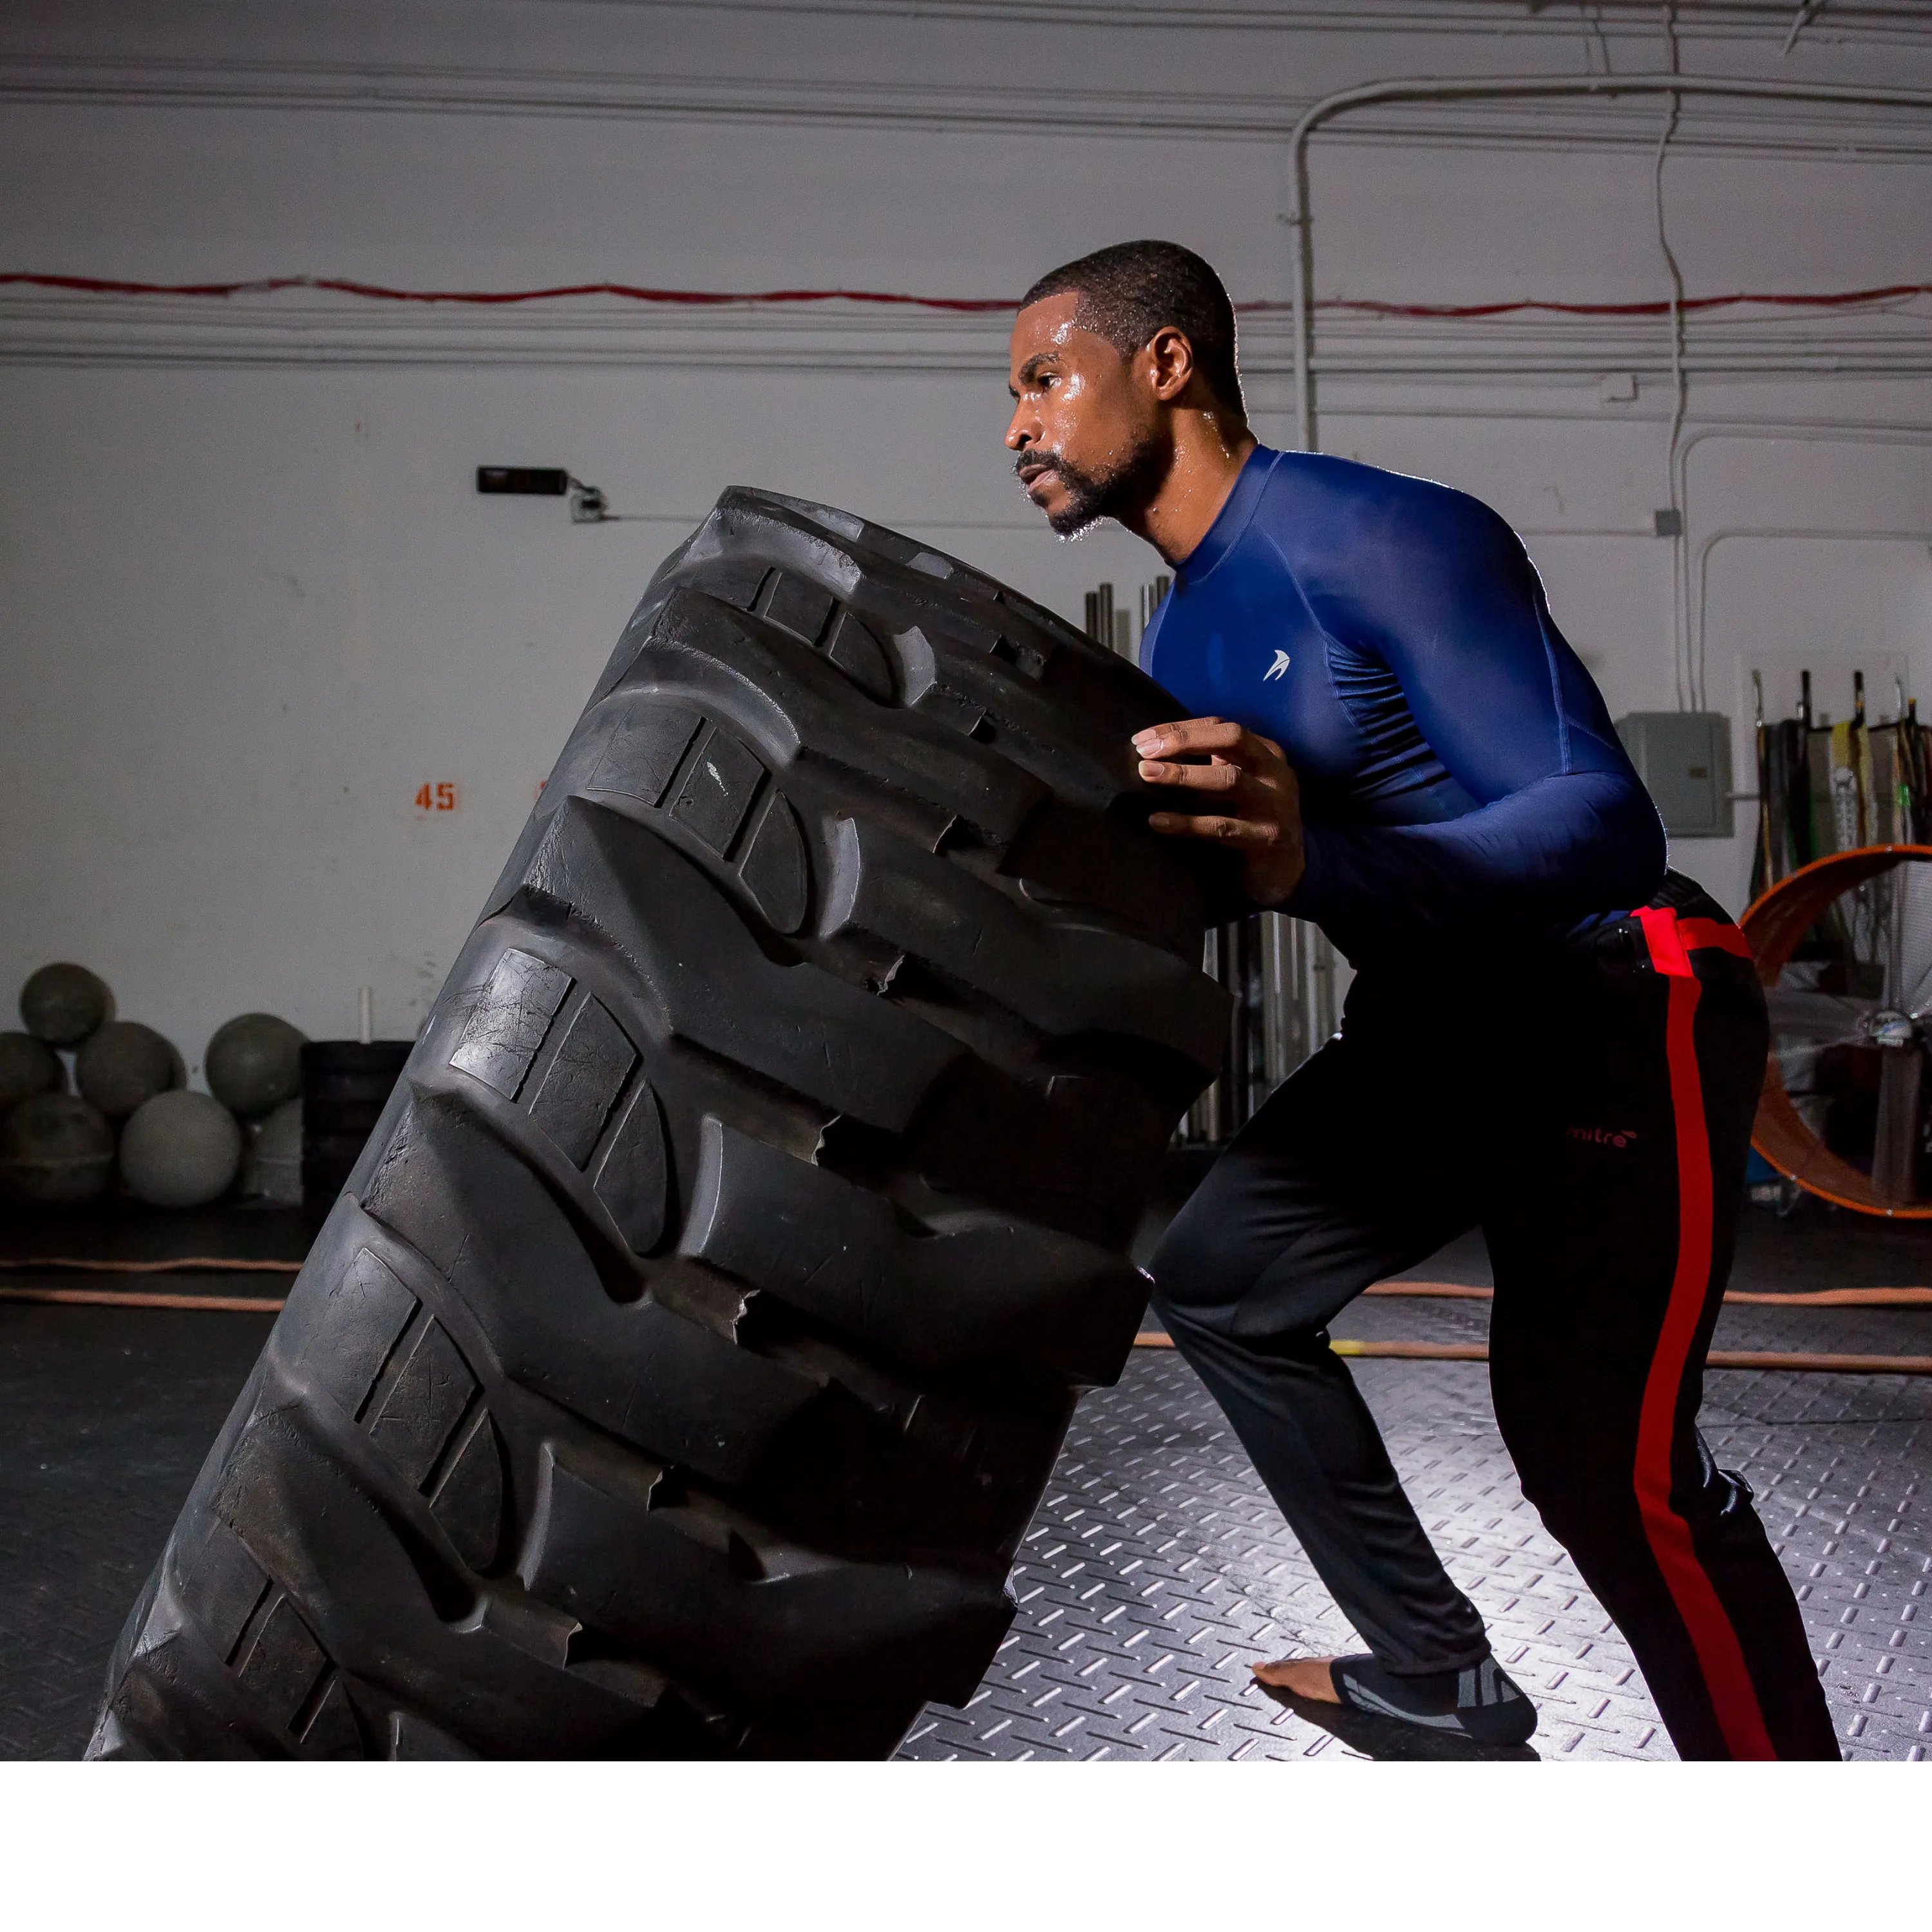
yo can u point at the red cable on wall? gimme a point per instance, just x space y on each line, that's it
1460 311
959 305
489 297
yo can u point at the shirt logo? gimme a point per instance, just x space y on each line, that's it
1275 670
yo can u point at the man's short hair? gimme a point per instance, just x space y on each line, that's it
1130 292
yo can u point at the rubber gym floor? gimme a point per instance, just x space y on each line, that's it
1156 1569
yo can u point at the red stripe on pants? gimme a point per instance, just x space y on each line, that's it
1699 932
1720 1656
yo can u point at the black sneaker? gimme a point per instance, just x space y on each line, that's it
1480 1703
1395 1740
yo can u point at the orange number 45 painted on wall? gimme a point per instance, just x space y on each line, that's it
439 797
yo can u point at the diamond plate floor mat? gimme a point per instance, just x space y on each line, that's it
1157 1569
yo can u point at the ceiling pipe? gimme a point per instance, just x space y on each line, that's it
1604 86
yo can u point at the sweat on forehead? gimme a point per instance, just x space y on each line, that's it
1127 293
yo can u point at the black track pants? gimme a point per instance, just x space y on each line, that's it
1592 1114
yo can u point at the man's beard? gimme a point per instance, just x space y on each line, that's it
1092 494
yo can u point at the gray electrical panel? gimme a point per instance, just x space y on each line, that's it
1683 758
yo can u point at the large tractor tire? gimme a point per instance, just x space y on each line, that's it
681 1366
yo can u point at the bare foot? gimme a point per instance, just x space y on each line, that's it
1310 1677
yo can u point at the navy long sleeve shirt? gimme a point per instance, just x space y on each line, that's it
1459 773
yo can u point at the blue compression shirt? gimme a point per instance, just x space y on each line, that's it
1459 770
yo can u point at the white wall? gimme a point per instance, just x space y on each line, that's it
250 602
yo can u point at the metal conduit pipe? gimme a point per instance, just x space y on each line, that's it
1691 582
1717 537
1479 87
1803 430
1697 581
1499 412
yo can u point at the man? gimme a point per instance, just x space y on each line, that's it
1548 1035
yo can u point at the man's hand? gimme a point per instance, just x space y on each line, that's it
1263 802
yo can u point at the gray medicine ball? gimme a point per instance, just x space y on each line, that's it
55 1151
125 1064
254 1064
28 1066
271 1160
63 1003
180 1150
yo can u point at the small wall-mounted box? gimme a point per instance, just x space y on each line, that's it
500 481
1683 758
